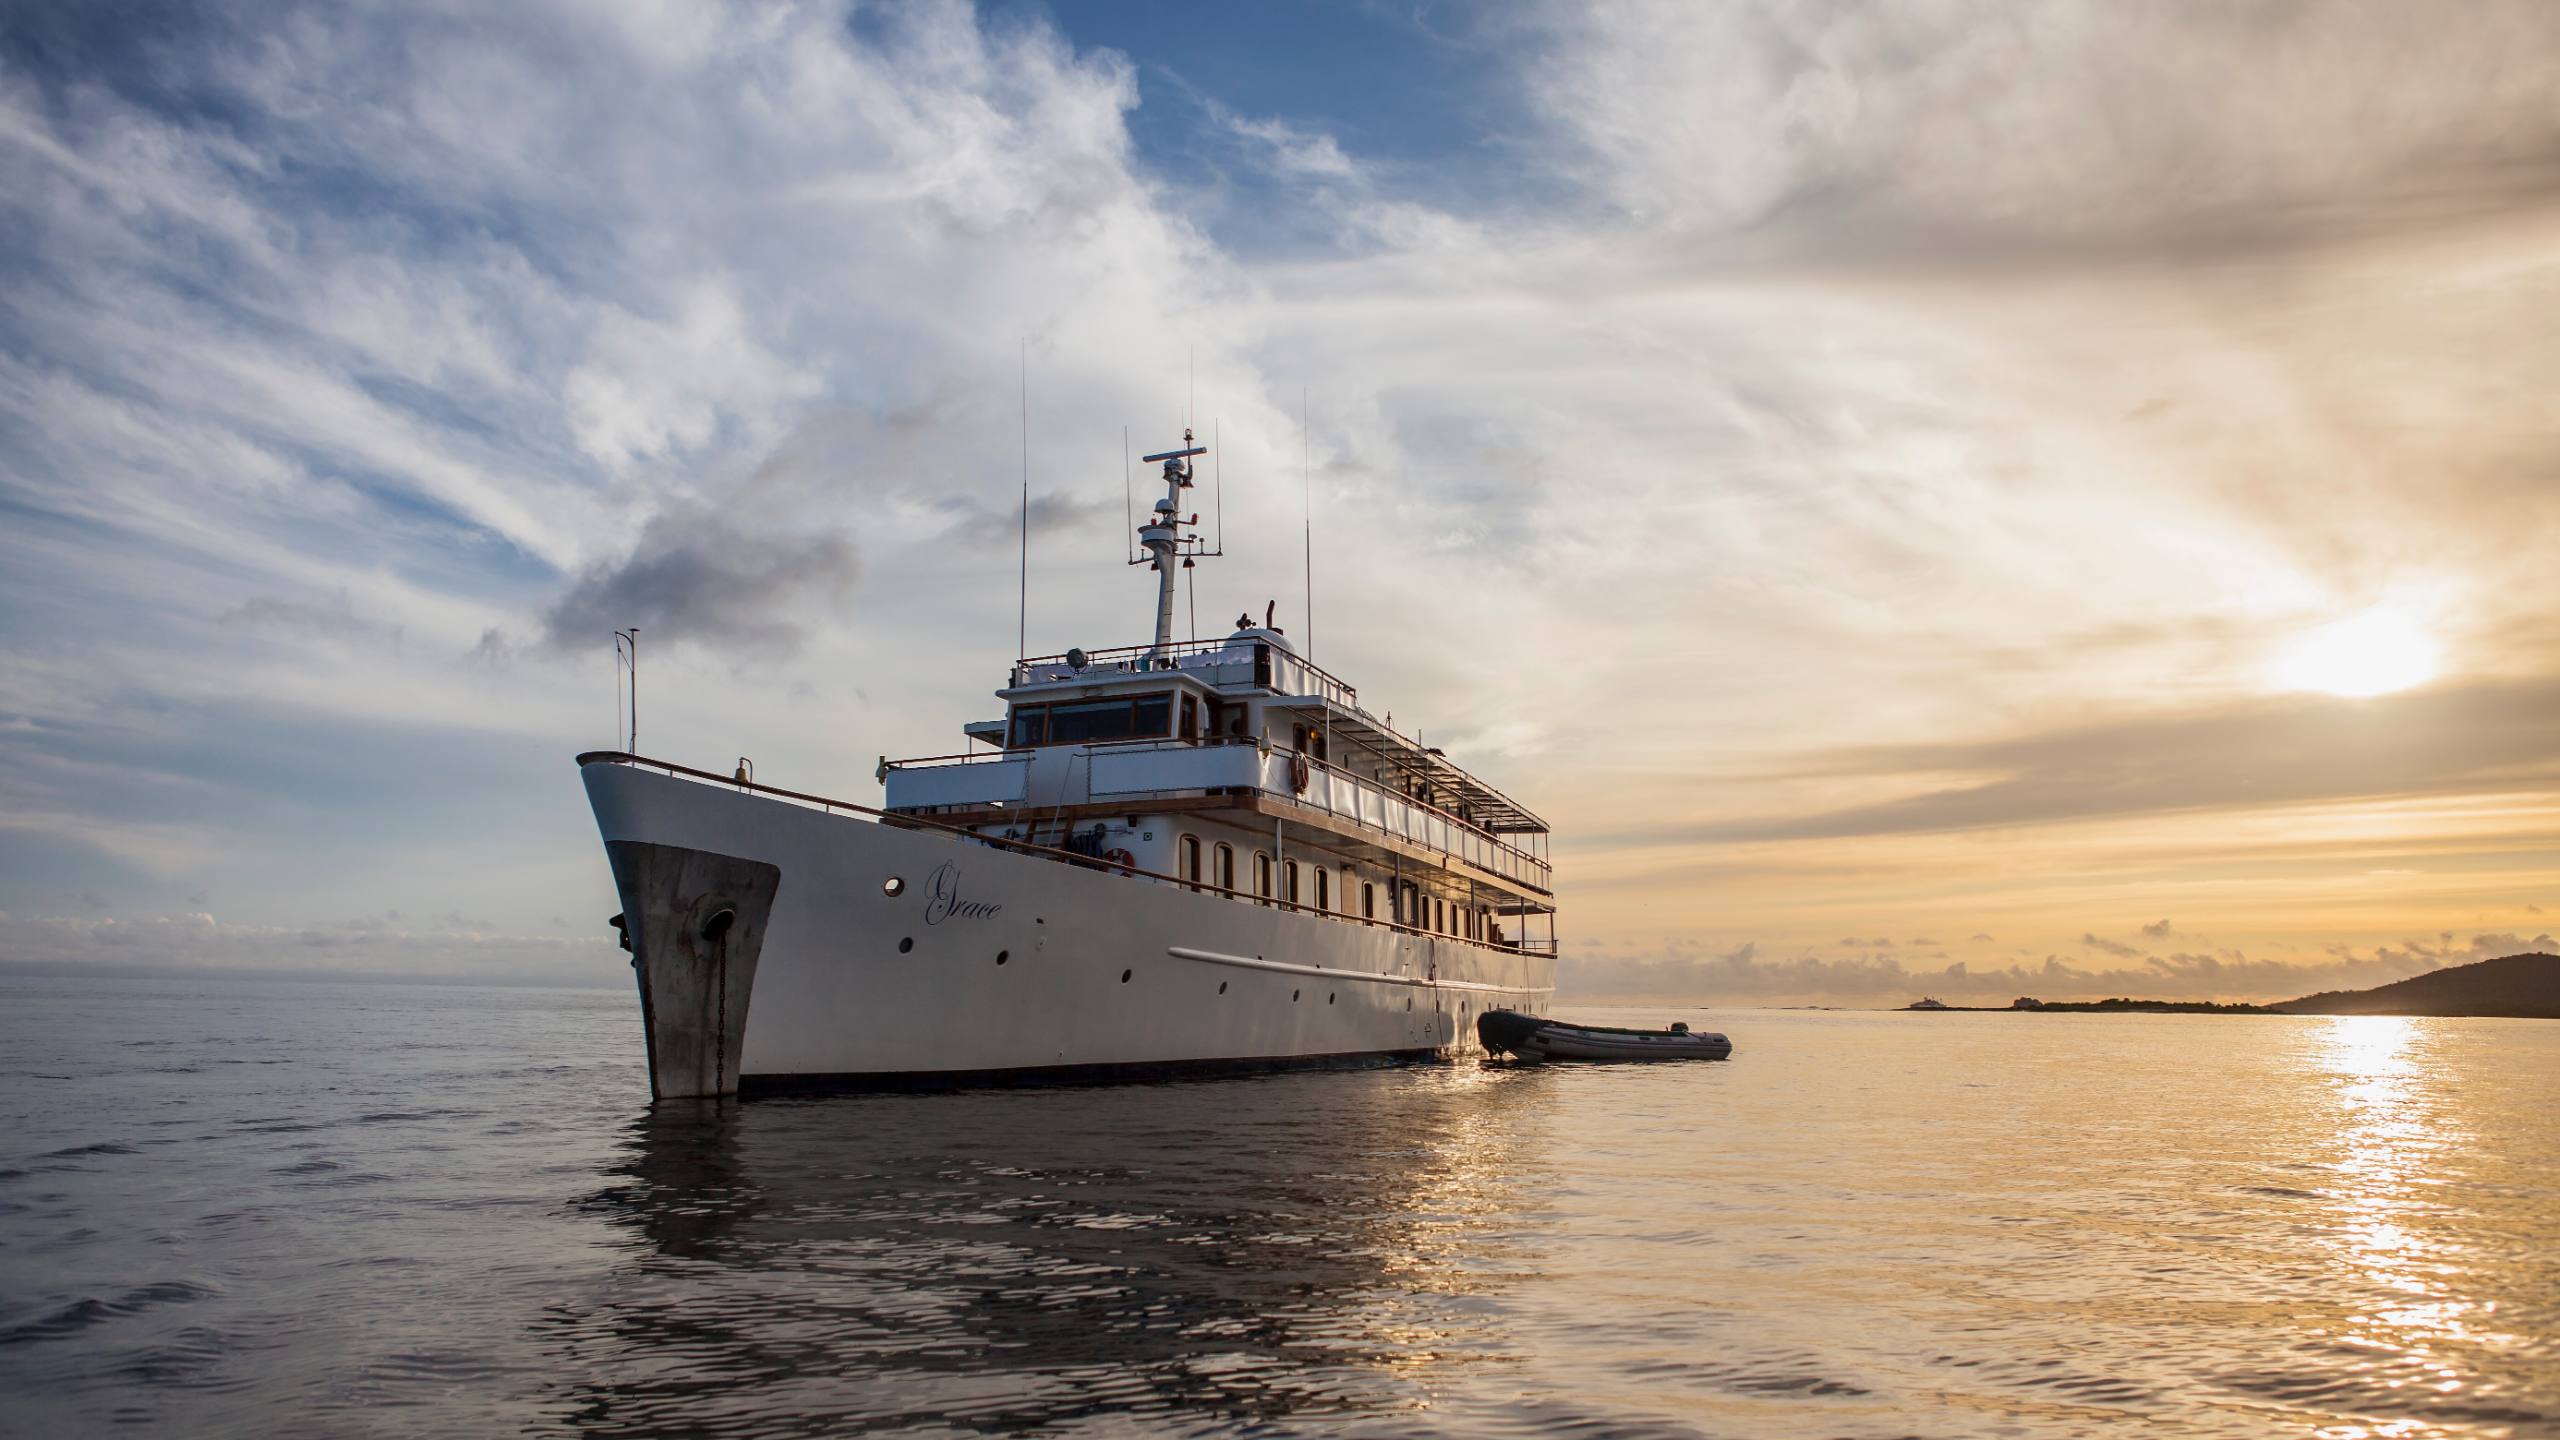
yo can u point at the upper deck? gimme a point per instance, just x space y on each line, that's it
1242 731
1263 666
1242 723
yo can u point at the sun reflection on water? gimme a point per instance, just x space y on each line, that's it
2392 1139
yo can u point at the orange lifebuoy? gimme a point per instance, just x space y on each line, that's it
1122 859
1299 773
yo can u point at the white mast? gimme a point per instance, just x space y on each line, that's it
1165 542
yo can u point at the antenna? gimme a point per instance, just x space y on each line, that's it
1307 500
1165 543
626 653
1128 515
1218 479
1022 614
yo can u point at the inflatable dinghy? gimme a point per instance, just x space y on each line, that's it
1508 1032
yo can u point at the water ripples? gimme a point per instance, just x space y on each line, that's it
374 1209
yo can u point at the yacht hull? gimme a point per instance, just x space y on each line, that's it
987 965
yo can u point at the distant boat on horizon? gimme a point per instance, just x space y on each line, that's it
1926 1002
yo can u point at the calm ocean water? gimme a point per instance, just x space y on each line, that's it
282 1209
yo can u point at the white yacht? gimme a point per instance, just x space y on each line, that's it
1162 858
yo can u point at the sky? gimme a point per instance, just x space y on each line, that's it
1952 498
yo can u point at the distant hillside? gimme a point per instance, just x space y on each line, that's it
2517 985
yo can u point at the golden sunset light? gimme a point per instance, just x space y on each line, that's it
1906 523
2375 653
1788 719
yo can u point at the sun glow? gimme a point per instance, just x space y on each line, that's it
2375 653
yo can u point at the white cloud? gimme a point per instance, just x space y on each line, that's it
2003 124
1732 500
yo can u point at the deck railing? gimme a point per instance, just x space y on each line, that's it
1183 655
1332 791
1516 946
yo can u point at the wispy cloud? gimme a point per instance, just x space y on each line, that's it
1975 129
1831 433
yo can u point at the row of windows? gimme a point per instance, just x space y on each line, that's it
1122 717
1407 900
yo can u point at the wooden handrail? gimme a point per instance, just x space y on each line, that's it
1117 653
983 757
1009 752
919 822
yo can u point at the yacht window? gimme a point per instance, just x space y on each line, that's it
1089 720
1289 877
1190 716
1191 860
1368 900
1262 876
1076 722
1226 879
1324 888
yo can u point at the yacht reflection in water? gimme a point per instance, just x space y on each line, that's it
1004 1260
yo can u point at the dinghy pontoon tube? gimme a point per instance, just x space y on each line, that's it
1532 1038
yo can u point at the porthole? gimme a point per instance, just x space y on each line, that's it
1293 997
1222 987
1408 1004
1328 997
906 945
1124 977
1003 955
893 887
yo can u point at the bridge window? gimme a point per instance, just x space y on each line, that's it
1076 722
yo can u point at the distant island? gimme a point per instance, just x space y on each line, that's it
2523 987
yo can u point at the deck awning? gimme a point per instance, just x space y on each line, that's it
1399 755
